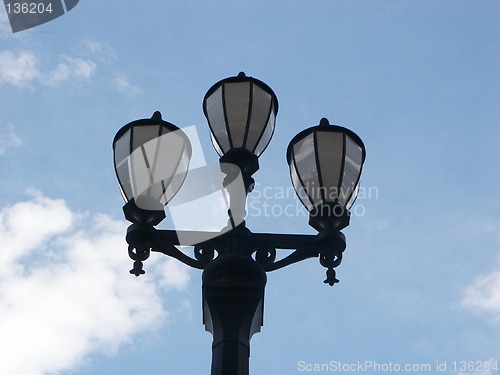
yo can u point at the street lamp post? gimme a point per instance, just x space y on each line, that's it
151 162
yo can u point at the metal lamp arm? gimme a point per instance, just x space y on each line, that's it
143 239
267 244
260 243
297 256
240 241
174 252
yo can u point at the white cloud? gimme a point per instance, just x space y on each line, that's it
65 291
22 68
71 67
123 85
484 295
103 51
18 69
8 138
106 54
171 275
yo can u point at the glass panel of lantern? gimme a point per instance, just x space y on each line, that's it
241 113
151 161
325 165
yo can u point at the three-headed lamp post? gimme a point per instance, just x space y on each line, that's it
151 162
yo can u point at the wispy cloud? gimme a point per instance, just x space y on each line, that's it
64 287
18 68
69 68
8 138
100 50
483 295
23 69
107 55
123 85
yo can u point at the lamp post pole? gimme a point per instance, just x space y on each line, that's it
233 298
151 163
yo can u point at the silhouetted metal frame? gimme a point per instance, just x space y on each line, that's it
235 260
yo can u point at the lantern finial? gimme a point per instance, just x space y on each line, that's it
156 115
324 122
241 75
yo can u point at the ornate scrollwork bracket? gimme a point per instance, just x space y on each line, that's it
328 246
205 252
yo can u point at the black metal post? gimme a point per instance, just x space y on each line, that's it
233 302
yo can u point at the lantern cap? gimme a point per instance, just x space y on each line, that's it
156 115
324 122
241 77
156 119
324 125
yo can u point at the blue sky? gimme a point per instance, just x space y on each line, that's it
416 80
